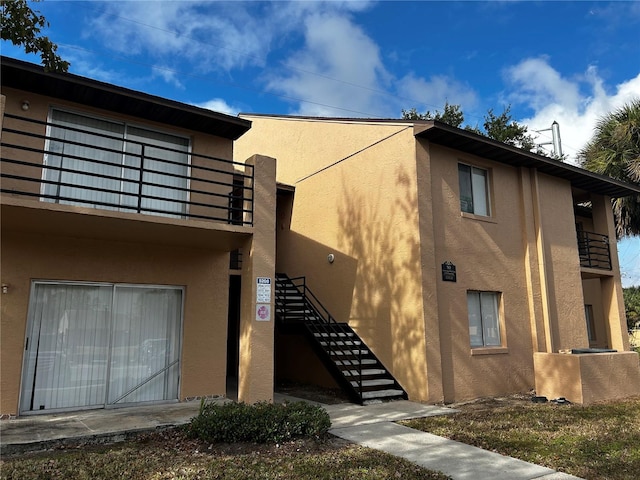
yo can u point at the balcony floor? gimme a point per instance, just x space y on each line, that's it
33 216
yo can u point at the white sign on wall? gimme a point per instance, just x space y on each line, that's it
263 290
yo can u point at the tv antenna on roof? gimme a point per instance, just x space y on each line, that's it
555 139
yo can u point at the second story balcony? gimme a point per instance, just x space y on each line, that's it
594 250
82 161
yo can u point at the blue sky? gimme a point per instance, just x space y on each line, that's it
571 62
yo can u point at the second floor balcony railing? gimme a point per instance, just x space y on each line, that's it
80 166
594 250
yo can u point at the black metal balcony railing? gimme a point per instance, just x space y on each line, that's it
206 187
594 250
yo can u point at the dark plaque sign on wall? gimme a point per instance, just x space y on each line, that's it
448 272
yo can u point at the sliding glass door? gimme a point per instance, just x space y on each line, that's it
96 345
93 162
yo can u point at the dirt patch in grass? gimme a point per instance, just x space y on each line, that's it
171 455
593 442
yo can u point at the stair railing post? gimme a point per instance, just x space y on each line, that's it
360 371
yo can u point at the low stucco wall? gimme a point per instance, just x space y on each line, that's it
587 378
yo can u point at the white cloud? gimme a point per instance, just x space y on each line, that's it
339 66
213 35
168 75
575 103
219 105
434 92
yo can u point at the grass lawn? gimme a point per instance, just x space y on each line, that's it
595 442
170 455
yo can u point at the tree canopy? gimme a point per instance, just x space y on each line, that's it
497 127
614 150
632 306
21 25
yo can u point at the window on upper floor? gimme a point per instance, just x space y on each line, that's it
94 162
484 318
474 189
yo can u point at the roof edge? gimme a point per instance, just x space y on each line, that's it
33 78
469 142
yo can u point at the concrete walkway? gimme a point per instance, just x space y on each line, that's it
371 426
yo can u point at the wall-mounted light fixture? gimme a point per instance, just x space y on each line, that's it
25 105
331 257
5 288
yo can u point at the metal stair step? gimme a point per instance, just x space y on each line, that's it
341 334
342 343
365 361
379 382
392 392
350 352
365 372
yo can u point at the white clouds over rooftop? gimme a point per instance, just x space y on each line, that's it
575 103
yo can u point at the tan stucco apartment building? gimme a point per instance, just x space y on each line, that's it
119 213
467 265
141 239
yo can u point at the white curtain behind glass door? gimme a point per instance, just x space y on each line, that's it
66 364
146 336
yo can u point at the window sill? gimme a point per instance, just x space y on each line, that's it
489 351
480 218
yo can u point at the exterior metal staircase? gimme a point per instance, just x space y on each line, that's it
351 363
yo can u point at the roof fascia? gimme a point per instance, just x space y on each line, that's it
472 143
32 78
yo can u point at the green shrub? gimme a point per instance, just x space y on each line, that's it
261 423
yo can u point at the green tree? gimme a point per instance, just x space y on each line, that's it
506 130
614 150
21 25
451 115
632 305
497 127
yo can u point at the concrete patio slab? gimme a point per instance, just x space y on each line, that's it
349 414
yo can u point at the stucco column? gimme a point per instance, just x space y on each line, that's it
257 318
531 237
542 264
611 287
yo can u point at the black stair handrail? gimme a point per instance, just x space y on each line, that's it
308 297
327 324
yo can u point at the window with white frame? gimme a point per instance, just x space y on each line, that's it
474 189
111 165
484 319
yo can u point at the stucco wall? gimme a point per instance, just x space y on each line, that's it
203 273
388 207
588 378
489 254
198 263
562 264
359 204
